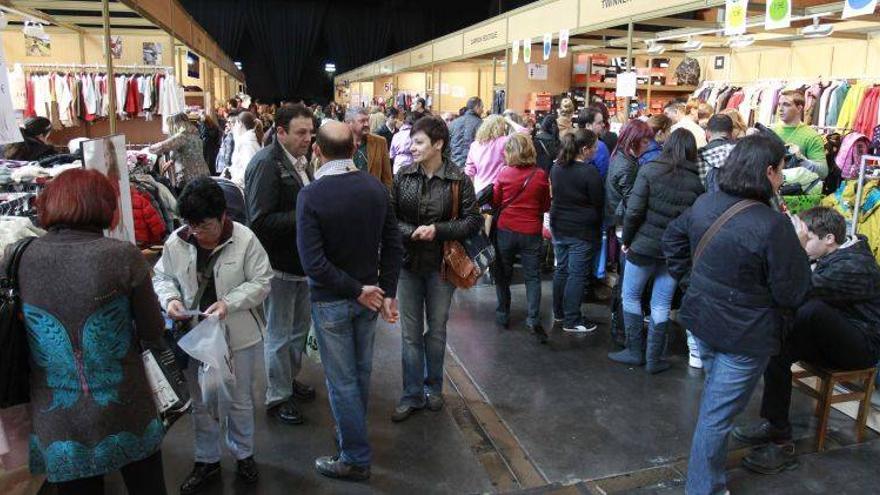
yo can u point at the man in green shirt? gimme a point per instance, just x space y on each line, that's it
793 131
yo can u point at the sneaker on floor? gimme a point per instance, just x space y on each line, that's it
760 432
202 474
584 327
247 471
771 459
695 362
333 467
403 412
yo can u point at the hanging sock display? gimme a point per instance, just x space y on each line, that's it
514 54
735 17
855 8
527 51
548 45
778 14
563 43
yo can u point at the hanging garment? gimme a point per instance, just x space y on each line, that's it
18 88
850 106
835 102
64 98
29 108
132 97
121 87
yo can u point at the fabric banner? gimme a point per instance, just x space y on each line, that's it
778 14
563 43
855 8
735 17
514 54
527 51
548 45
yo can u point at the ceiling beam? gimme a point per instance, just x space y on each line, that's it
36 15
674 22
85 6
114 21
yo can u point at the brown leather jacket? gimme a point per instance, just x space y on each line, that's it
379 163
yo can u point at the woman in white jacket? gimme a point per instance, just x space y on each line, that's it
246 146
217 267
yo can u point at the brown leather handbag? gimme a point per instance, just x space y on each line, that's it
458 267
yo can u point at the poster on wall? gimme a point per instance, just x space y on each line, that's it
626 85
514 54
107 155
778 14
37 44
116 47
855 8
527 51
548 45
735 19
563 43
9 131
538 72
152 53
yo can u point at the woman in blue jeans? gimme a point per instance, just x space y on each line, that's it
576 222
664 188
740 286
422 199
522 195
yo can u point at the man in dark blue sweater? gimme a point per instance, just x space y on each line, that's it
351 251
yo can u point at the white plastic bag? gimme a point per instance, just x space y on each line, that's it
207 343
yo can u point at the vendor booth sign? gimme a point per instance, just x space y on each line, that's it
107 155
778 15
735 17
538 72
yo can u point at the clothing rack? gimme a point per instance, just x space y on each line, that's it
858 204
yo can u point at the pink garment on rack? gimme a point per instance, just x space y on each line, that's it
848 159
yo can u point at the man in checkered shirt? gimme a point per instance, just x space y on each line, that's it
712 156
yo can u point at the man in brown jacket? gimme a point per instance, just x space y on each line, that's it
371 151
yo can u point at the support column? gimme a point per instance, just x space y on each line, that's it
629 67
108 57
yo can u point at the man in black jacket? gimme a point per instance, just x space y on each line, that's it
273 181
389 128
838 328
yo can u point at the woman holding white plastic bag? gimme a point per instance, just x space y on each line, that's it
217 267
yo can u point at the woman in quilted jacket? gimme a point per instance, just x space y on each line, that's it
149 229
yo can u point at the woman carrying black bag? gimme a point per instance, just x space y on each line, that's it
88 302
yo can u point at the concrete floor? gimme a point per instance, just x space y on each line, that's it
584 424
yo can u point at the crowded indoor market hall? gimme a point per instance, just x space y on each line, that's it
355 247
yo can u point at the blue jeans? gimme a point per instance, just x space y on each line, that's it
730 382
287 326
423 296
636 277
345 332
529 248
572 262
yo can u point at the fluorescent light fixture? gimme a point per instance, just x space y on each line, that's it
692 45
330 67
237 65
740 41
816 30
655 48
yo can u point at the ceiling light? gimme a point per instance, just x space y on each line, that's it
692 45
654 48
237 65
816 30
740 41
330 67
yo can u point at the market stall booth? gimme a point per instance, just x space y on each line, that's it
45 42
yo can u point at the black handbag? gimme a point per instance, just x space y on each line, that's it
14 351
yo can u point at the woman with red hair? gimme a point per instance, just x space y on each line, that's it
88 301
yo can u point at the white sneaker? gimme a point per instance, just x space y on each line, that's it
586 327
695 362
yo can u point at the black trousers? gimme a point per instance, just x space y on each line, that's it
821 336
144 477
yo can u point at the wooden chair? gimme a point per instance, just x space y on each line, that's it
825 396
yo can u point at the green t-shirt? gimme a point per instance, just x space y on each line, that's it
808 140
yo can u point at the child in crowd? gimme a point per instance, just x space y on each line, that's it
838 327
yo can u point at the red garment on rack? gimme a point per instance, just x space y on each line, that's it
30 109
736 99
132 97
866 117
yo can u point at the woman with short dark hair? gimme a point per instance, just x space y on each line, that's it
663 190
742 278
88 302
35 144
422 200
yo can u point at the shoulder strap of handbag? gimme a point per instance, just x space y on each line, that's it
518 193
202 277
719 222
15 261
456 185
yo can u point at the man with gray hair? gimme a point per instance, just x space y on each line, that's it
464 129
370 150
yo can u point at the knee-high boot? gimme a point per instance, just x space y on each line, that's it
656 348
632 354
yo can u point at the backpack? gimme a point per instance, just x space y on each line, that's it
688 72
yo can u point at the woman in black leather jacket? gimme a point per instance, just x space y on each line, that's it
422 200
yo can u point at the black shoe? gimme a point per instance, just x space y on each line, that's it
540 334
771 459
303 392
247 470
502 320
403 412
332 467
760 433
201 475
287 412
435 402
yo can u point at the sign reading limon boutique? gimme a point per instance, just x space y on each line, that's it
600 11
492 35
